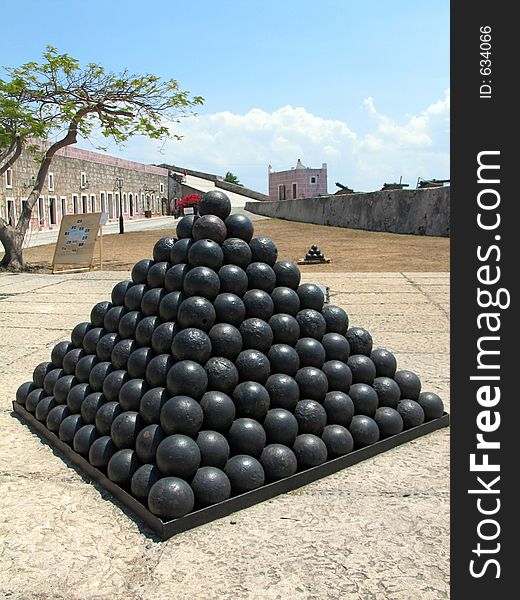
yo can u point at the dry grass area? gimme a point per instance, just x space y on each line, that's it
350 249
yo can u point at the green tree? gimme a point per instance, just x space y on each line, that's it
58 99
230 178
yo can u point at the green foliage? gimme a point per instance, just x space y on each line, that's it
230 178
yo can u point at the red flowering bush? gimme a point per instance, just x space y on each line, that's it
191 200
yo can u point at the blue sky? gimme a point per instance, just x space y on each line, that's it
361 85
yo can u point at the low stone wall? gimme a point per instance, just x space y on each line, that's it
239 189
419 212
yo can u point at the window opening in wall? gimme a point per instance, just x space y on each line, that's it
41 211
83 180
281 192
295 190
11 213
63 201
75 207
313 179
102 200
110 200
51 181
52 211
117 205
131 203
125 204
93 203
162 188
9 178
84 203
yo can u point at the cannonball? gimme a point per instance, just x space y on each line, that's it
179 253
202 281
59 351
56 416
313 383
253 365
364 431
119 292
311 296
310 352
360 340
312 323
339 408
245 473
239 226
69 427
162 337
219 411
263 250
389 421
143 480
101 451
151 404
365 399
84 367
214 449
50 380
145 329
181 414
113 383
140 270
98 375
281 427
363 369
162 249
336 347
147 441
122 466
258 304
229 308
283 391
98 312
157 274
90 405
215 202
91 339
70 360
287 274
151 301
62 387
246 436
336 319
285 300
134 296
251 400
222 374
311 417
78 333
310 451
191 344
236 252
178 456
44 406
226 340
256 334
185 226
106 344
187 377
33 398
432 405
170 498
387 390
409 384
209 227
125 427
84 438
174 278
233 280
338 440
338 375
283 359
23 391
196 312
278 462
210 485
205 253
112 318
411 413
261 276
157 370
138 362
121 352
105 416
76 397
285 328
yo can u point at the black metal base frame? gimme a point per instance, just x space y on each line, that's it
167 529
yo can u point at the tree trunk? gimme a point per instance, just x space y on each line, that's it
12 241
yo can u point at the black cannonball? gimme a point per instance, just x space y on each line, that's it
310 352
236 252
196 312
214 449
287 274
121 352
151 301
283 391
222 374
170 498
140 270
76 397
101 451
157 274
245 473
147 441
157 370
151 404
239 226
187 378
209 227
281 427
278 462
122 466
162 249
432 405
411 412
106 344
98 312
69 427
112 318
313 383
360 340
56 416
336 319
336 346
179 252
310 451
251 400
226 340
246 436
389 421
105 416
311 296
283 359
90 405
50 380
138 362
215 202
363 369
145 329
263 250
338 440
229 308
44 406
205 253
119 292
311 417
256 334
134 296
365 399
84 438
285 300
98 374
125 427
162 337
91 339
78 333
261 276
113 383
210 485
219 411
174 278
62 388
84 367
253 365
258 304
143 480
388 392
23 391
33 398
191 344
178 455
70 360
338 375
285 328
185 226
409 384
233 280
339 408
312 323
202 281
181 414
364 431
59 351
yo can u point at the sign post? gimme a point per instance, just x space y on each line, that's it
76 241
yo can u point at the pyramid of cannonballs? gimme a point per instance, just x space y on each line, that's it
214 371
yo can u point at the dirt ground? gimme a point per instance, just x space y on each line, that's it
349 250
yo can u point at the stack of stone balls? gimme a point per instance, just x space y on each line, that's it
314 253
214 371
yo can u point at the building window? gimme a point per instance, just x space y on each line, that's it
53 218
84 203
75 207
162 188
83 180
313 179
11 213
93 202
110 201
103 202
41 211
295 191
281 192
63 201
125 204
9 178
51 182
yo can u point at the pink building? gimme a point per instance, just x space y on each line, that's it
298 182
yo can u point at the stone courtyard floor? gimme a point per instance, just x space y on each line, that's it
377 530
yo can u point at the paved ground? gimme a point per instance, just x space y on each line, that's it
378 530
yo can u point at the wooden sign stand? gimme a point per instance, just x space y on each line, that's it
74 250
